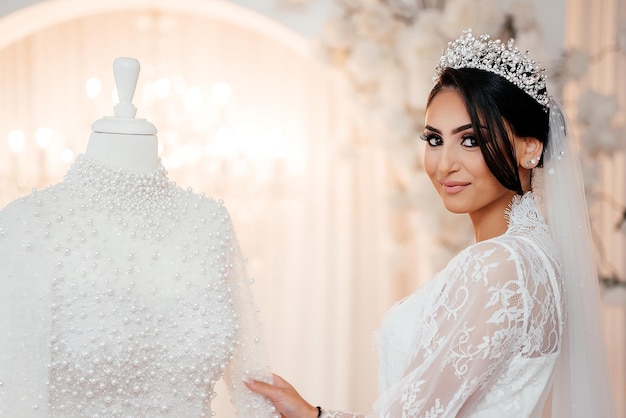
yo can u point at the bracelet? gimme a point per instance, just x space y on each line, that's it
319 411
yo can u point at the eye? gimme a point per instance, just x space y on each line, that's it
469 140
432 139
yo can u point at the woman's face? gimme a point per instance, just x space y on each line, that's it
454 162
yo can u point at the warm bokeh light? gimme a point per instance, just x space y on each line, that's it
193 99
16 139
67 155
221 93
224 143
162 87
43 137
93 86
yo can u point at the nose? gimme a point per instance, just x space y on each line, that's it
447 161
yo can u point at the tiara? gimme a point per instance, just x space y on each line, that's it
498 58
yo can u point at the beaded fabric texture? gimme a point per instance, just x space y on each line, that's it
498 58
123 296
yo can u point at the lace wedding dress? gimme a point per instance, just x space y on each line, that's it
123 296
480 339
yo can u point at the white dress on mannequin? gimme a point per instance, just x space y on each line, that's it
481 339
123 295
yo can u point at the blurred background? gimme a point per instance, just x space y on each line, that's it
304 116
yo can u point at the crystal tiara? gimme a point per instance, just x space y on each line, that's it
498 58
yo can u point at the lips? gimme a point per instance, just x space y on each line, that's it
453 187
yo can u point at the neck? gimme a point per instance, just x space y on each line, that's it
490 221
137 153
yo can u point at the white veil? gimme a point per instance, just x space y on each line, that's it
581 388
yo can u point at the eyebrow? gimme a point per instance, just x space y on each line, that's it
454 131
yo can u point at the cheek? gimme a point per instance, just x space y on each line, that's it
478 169
430 162
475 164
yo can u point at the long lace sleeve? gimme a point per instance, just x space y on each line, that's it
338 414
249 357
485 313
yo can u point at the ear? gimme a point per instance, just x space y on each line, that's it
528 151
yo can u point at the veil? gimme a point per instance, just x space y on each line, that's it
581 388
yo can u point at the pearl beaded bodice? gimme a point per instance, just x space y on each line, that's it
148 304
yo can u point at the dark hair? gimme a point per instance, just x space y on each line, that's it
495 104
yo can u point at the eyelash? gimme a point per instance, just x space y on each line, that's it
429 137
472 139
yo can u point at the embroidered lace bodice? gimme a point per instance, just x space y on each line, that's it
124 296
481 338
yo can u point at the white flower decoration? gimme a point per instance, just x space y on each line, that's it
483 16
339 34
367 62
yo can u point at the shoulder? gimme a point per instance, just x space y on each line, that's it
496 250
214 209
206 205
492 261
208 212
25 212
486 276
22 227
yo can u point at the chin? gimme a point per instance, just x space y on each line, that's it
452 207
455 209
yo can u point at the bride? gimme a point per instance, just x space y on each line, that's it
505 325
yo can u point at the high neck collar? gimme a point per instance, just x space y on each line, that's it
524 213
110 188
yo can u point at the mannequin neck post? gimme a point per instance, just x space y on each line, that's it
138 153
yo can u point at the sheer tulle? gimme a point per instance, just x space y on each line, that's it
581 388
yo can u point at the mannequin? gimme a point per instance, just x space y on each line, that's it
124 141
123 294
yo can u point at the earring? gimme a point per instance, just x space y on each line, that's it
530 163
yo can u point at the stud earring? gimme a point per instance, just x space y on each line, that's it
530 163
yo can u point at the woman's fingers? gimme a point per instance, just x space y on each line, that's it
283 396
281 383
266 389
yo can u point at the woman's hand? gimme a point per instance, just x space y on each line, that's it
284 397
